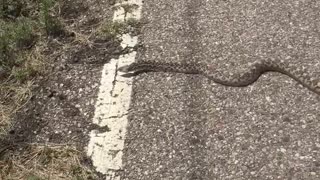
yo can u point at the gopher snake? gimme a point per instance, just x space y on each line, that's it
238 79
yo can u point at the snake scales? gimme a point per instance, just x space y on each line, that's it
241 78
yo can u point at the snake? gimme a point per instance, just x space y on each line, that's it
240 78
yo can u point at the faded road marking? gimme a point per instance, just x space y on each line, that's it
105 148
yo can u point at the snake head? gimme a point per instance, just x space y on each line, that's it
135 69
124 69
128 70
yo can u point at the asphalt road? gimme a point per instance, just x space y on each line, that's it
187 127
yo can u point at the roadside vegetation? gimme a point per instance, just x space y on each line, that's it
39 162
25 29
111 30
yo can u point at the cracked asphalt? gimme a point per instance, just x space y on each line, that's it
187 127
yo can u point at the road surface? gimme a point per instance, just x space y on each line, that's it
187 127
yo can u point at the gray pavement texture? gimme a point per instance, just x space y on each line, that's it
187 127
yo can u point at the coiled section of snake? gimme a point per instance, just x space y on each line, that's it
242 77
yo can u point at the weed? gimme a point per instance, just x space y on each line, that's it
113 29
14 37
18 62
51 23
13 97
24 36
5 44
39 162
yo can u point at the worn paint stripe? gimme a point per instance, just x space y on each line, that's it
112 105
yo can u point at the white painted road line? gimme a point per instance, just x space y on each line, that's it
105 148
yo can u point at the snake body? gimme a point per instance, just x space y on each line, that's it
243 77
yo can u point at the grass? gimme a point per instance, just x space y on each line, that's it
13 97
40 162
24 26
51 23
112 30
19 33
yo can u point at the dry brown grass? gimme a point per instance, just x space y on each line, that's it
16 90
22 42
13 97
39 161
36 161
31 161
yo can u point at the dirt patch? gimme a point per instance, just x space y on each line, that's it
52 161
61 101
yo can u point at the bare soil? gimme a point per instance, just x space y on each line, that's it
61 107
